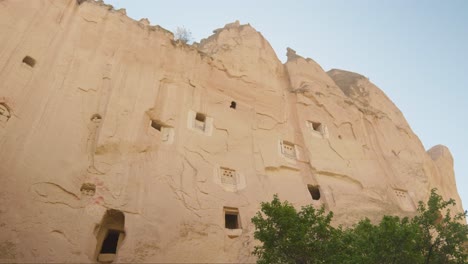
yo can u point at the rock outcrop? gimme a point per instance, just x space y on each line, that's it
118 143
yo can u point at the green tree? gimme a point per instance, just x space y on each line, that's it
306 236
289 236
393 240
441 236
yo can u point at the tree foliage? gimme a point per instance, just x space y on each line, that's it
442 237
183 34
306 236
289 236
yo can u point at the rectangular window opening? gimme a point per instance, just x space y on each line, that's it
231 218
200 121
314 192
109 245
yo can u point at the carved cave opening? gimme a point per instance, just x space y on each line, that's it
96 118
109 246
231 218
156 125
29 61
316 126
200 117
314 192
200 121
165 131
110 235
233 105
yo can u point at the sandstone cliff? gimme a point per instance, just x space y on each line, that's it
119 144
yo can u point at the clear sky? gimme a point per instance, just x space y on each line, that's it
415 51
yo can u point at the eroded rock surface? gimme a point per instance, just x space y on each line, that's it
118 143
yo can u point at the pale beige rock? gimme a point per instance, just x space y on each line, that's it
111 130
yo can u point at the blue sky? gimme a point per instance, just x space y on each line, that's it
415 51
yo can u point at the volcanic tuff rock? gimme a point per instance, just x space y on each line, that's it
118 143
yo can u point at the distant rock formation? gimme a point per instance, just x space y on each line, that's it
118 143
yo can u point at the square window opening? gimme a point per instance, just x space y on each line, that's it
314 192
231 218
200 117
200 121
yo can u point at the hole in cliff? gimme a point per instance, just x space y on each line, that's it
316 126
231 218
80 1
200 117
156 125
110 242
96 118
233 105
4 112
339 136
110 235
29 61
165 132
314 192
200 121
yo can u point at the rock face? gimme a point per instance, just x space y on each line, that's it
119 144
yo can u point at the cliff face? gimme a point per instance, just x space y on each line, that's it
117 143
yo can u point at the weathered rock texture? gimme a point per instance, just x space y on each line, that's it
112 133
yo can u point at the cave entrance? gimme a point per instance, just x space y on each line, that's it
314 192
109 246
